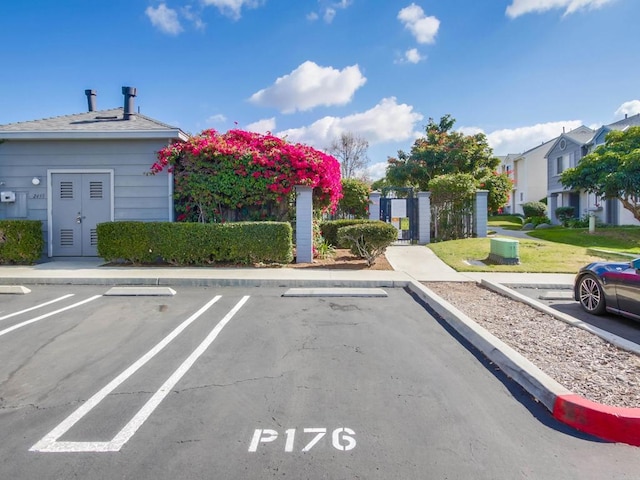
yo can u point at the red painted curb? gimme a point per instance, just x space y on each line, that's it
617 424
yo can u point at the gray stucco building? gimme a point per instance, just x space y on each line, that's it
75 171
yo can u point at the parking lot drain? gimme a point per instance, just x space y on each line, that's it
140 292
335 292
14 289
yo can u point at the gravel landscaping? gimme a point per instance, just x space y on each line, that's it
580 361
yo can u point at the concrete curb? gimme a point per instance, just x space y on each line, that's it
210 282
616 424
609 337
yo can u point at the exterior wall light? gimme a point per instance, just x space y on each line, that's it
35 181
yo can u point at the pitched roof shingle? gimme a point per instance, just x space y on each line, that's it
88 124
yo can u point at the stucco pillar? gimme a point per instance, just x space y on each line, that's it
374 205
424 218
482 213
304 224
552 204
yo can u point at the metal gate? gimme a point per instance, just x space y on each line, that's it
399 207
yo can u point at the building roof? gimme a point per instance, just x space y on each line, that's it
632 121
622 125
91 125
581 136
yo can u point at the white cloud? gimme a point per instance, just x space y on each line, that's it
188 13
233 8
423 28
328 10
522 7
262 126
377 170
311 85
218 118
388 121
412 56
164 19
329 15
628 108
518 140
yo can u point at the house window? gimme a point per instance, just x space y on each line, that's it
572 159
559 165
522 196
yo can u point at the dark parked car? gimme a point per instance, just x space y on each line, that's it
609 287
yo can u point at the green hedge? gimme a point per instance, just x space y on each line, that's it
21 241
196 243
329 229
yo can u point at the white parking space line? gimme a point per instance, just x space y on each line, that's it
46 315
30 309
49 443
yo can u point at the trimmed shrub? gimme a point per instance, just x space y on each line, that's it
196 243
329 229
581 222
534 209
564 214
21 241
368 240
535 221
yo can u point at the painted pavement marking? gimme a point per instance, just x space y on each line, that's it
46 315
50 443
36 307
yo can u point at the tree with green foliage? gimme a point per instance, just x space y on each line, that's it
612 171
440 152
499 187
452 199
380 185
355 199
444 151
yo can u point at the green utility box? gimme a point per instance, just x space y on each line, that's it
505 251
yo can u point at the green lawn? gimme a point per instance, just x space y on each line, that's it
510 222
555 250
619 239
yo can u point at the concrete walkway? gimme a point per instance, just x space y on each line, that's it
410 263
421 264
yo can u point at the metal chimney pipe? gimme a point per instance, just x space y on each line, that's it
129 109
91 99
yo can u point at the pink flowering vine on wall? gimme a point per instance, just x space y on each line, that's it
242 175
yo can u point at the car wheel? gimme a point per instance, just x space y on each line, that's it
591 295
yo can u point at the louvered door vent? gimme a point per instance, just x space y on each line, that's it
66 238
95 190
66 190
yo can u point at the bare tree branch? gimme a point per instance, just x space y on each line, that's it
351 152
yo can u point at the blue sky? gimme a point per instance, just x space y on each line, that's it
517 70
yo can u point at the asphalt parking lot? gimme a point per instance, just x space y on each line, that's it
247 383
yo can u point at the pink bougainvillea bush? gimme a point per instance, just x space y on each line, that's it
242 175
